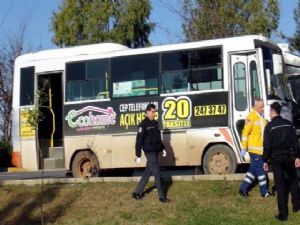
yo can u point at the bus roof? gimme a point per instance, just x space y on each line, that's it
112 49
92 49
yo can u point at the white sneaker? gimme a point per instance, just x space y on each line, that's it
267 195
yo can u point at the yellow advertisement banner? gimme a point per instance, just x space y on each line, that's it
26 131
210 110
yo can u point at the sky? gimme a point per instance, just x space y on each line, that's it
38 15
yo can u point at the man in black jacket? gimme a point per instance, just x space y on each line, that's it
149 139
281 149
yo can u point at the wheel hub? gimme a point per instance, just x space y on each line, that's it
219 164
86 168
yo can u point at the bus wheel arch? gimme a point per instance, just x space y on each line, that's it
84 163
219 158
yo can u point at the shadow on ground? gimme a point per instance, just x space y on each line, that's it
23 209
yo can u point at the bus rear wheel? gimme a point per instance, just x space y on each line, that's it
219 159
85 164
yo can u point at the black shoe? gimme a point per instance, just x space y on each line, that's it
281 218
273 191
164 200
296 209
244 194
136 196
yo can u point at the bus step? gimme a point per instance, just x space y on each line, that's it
53 163
56 152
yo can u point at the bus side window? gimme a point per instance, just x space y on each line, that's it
87 80
135 75
27 86
206 79
175 71
206 69
175 81
193 70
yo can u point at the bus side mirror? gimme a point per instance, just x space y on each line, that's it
277 64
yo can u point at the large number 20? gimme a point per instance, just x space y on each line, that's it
177 108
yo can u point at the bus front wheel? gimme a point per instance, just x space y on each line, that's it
219 159
85 164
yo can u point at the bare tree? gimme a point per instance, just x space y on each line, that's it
11 46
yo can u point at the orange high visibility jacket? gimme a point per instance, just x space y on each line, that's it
252 135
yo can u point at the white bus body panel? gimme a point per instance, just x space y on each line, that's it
55 60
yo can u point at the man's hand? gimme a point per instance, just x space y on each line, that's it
297 162
243 153
266 167
164 153
138 160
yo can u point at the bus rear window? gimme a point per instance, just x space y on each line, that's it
27 86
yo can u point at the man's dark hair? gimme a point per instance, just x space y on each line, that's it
276 107
150 106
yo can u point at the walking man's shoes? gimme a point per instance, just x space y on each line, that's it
164 200
244 194
136 196
281 218
267 195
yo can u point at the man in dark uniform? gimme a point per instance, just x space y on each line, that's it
149 139
281 149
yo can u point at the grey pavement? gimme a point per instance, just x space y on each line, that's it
32 175
30 182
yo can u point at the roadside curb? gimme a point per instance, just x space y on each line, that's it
12 169
32 182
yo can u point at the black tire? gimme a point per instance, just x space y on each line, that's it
85 164
219 159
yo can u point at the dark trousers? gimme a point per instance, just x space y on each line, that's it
152 167
255 170
285 177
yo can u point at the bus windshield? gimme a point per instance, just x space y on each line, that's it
275 83
295 84
293 73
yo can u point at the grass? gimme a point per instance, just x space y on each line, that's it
195 202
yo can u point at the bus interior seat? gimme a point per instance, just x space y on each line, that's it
195 87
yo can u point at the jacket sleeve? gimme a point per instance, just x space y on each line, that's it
295 143
267 144
139 140
246 131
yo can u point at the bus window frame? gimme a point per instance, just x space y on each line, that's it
135 96
34 88
86 100
191 92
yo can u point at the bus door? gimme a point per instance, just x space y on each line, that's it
50 128
245 88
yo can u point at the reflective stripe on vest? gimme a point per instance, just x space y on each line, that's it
256 148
